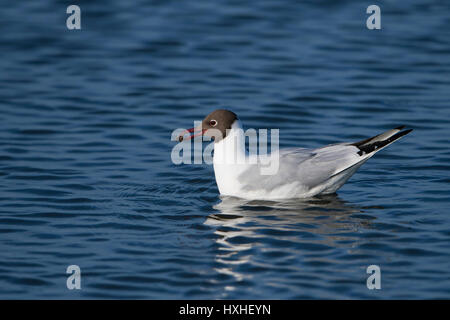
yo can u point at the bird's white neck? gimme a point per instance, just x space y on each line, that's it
231 149
230 159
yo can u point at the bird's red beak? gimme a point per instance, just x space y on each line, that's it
191 136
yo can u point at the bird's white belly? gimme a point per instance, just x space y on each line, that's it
227 179
228 183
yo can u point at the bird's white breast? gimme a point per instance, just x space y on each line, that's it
230 160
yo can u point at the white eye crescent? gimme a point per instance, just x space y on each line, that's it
212 123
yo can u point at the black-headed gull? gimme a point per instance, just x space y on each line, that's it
300 173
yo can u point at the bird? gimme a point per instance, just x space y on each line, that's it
300 172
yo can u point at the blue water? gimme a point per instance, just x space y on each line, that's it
87 179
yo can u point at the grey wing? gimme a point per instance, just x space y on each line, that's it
308 167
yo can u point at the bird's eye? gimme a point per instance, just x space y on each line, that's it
212 123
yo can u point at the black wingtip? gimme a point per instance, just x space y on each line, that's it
406 131
400 127
380 144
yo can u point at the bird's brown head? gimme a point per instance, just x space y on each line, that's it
215 125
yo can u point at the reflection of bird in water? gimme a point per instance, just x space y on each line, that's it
282 229
332 212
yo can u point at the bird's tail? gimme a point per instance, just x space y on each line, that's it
380 141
